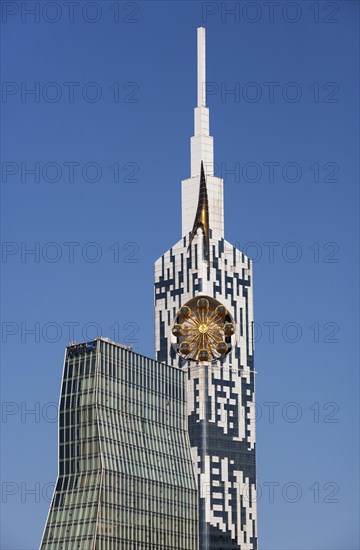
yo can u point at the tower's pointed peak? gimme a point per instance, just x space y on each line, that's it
201 67
202 214
201 142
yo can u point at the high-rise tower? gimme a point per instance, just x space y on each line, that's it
204 324
126 478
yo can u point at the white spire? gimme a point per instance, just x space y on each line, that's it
201 142
201 67
202 152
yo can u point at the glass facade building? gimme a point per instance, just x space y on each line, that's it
126 479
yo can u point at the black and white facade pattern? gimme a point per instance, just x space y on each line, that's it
220 395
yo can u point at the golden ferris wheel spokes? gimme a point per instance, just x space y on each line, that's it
203 329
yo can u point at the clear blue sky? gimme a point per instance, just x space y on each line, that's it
144 69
